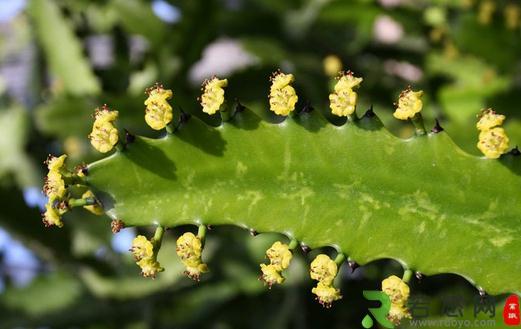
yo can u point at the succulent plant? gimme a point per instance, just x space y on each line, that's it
350 185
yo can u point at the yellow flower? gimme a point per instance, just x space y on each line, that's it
96 209
326 294
512 16
489 119
396 289
104 134
332 65
343 99
149 267
52 216
54 185
158 112
279 255
397 313
323 269
56 163
493 142
189 248
213 96
142 248
271 274
282 95
398 292
409 104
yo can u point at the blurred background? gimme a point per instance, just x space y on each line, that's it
59 59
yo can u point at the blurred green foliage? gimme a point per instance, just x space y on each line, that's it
86 53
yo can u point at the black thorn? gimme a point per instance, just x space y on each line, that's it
515 151
437 127
352 265
419 276
253 232
305 248
184 117
239 107
129 138
307 108
369 113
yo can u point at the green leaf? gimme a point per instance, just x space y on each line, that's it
421 201
45 294
14 124
63 50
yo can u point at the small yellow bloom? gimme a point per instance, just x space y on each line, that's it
343 99
279 255
326 294
104 134
397 313
398 292
52 216
189 249
56 163
213 96
271 274
512 16
149 267
489 119
142 248
158 112
323 269
396 289
409 104
282 95
96 209
54 186
332 65
493 142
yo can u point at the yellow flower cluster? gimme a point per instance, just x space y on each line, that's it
280 256
324 270
54 189
189 248
343 99
213 95
409 104
158 112
143 251
104 134
282 95
398 292
493 140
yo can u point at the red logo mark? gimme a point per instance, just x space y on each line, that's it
511 311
